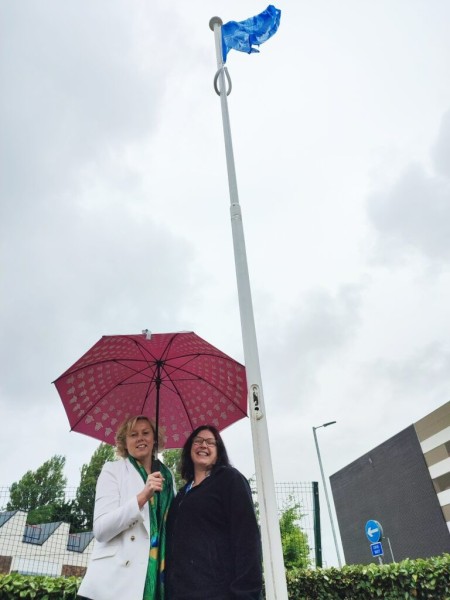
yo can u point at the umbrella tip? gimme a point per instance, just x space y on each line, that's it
147 333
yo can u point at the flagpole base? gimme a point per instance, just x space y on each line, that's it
215 21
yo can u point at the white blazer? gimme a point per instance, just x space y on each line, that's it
119 560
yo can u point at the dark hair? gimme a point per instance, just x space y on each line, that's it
186 464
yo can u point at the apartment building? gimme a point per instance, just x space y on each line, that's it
403 484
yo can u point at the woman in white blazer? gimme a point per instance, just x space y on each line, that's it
131 504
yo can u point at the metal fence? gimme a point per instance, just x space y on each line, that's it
306 496
50 548
41 549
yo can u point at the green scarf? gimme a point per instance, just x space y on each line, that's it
159 507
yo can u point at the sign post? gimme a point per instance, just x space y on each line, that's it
374 533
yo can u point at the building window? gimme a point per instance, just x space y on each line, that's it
442 483
32 533
74 542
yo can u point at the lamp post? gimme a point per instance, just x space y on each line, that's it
326 491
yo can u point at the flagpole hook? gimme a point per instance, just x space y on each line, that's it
216 78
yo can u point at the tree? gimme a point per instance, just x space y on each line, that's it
171 459
40 492
293 540
82 509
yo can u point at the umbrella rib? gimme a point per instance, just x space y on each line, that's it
143 350
175 369
96 364
192 357
122 382
182 402
199 378
161 371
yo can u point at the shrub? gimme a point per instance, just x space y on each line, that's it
420 579
38 587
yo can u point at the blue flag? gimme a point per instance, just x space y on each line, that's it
243 35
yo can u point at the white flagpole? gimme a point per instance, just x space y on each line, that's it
274 573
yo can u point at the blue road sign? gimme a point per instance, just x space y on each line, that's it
373 531
376 549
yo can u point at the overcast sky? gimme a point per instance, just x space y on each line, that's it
115 212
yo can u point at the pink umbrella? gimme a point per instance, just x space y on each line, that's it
177 379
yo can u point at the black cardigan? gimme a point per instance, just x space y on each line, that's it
213 541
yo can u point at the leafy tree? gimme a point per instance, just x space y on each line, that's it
293 540
82 508
171 459
40 492
62 511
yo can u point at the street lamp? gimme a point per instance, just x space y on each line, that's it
325 488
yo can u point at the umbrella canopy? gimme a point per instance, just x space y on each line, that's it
178 380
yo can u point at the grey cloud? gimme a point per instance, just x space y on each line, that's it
414 214
72 92
441 150
321 325
87 275
424 375
80 91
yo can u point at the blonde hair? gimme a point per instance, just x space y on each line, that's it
127 426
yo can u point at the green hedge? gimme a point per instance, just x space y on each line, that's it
422 579
16 586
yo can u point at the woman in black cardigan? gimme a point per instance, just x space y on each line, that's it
213 541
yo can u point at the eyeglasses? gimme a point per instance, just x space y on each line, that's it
199 441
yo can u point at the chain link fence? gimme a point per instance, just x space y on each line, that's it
304 496
51 549
41 549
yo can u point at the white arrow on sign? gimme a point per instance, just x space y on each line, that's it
371 531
